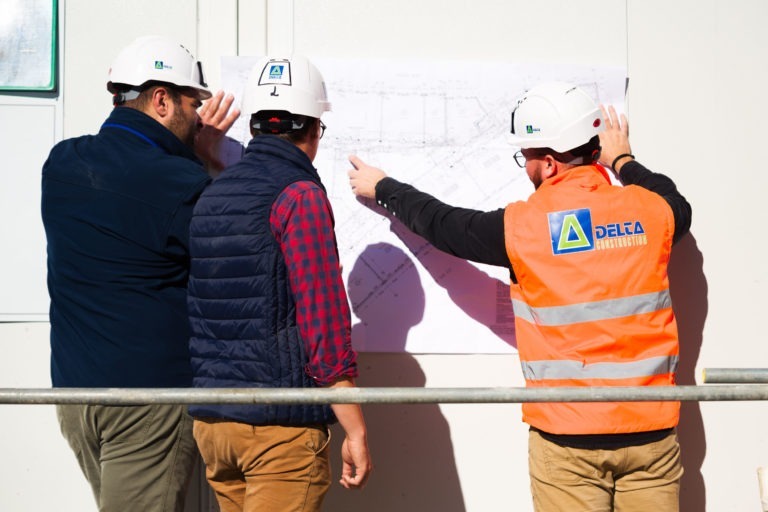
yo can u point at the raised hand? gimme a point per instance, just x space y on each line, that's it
363 178
217 118
614 140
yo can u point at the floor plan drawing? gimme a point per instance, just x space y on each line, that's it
442 127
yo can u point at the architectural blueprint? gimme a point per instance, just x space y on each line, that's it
441 126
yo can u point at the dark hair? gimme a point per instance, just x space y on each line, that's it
586 153
294 128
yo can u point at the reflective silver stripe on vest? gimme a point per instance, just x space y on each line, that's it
593 311
567 369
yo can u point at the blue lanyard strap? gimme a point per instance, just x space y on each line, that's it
131 130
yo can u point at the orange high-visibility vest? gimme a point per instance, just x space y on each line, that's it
592 304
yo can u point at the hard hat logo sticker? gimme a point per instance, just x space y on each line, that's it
276 72
158 64
529 129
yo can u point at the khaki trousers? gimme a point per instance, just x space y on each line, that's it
258 468
643 478
136 457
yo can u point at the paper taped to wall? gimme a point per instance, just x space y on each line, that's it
441 126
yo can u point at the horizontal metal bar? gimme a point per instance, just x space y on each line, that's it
736 375
134 396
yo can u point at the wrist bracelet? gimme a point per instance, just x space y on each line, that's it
623 155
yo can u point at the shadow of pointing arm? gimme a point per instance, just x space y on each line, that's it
480 296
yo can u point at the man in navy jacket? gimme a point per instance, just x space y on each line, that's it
116 208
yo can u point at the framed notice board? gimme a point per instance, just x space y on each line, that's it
28 45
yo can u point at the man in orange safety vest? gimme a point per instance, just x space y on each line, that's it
589 287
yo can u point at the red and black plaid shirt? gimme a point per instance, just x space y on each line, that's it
302 223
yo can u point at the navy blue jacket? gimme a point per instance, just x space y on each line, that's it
242 312
116 209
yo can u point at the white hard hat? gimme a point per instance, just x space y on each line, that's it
292 84
555 115
157 58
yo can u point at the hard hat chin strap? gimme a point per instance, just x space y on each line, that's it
120 97
583 159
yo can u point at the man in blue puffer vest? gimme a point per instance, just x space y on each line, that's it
116 208
268 307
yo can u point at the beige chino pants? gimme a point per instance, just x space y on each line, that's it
644 478
257 468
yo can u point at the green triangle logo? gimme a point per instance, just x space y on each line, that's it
572 235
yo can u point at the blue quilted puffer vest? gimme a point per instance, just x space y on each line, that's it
242 312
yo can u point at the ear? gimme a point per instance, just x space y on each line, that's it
314 132
550 167
162 102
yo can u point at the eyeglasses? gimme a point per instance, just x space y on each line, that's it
533 154
520 159
322 129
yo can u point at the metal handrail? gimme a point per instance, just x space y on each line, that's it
736 375
135 396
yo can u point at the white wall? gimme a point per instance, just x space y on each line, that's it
696 104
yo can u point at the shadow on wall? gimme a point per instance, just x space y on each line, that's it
688 287
414 465
467 286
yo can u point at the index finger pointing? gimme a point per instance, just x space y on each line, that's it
356 162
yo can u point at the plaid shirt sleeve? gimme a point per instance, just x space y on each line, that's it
302 223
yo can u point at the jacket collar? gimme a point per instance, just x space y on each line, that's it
141 126
280 148
584 175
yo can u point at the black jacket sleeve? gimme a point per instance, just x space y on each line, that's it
634 173
478 236
468 234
